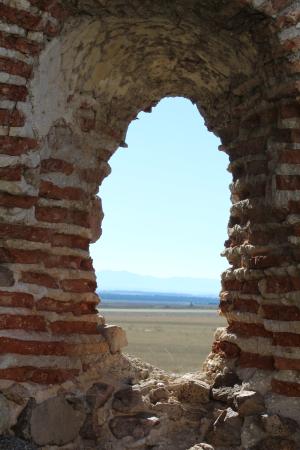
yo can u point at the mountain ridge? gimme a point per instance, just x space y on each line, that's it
110 280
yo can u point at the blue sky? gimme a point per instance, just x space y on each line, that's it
166 202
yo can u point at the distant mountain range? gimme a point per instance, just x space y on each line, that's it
109 280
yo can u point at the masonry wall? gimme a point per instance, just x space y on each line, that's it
69 87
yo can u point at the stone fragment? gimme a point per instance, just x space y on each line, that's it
225 394
202 446
249 403
128 400
102 416
226 430
137 426
252 431
278 426
98 394
5 414
173 409
194 391
62 419
116 337
158 394
17 394
227 379
14 443
95 218
6 277
88 429
275 443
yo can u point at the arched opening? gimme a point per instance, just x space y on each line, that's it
71 85
164 226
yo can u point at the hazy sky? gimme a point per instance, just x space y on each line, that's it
166 202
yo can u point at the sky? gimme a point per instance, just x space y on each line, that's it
166 202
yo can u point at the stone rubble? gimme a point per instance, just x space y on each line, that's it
73 75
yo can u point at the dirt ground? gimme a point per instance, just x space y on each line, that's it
173 340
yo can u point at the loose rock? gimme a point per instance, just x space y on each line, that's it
227 379
252 431
249 403
6 277
278 426
98 395
5 414
272 443
225 394
202 446
13 443
156 395
226 430
116 338
128 400
135 426
194 391
63 422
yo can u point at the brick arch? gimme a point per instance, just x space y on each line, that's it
70 89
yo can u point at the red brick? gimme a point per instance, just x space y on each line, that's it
68 240
249 329
56 165
290 110
62 215
18 322
11 118
16 299
17 201
78 285
286 339
248 360
242 305
287 363
12 173
289 156
34 234
58 348
294 207
55 8
66 261
265 261
15 67
279 285
50 190
40 279
287 135
13 92
281 312
38 375
291 45
91 175
78 309
246 287
64 327
37 234
227 348
15 146
22 45
285 388
288 182
248 147
18 256
21 18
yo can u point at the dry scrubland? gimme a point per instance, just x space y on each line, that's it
174 340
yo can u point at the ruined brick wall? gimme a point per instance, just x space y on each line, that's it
73 76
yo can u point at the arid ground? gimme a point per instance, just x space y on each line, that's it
177 340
